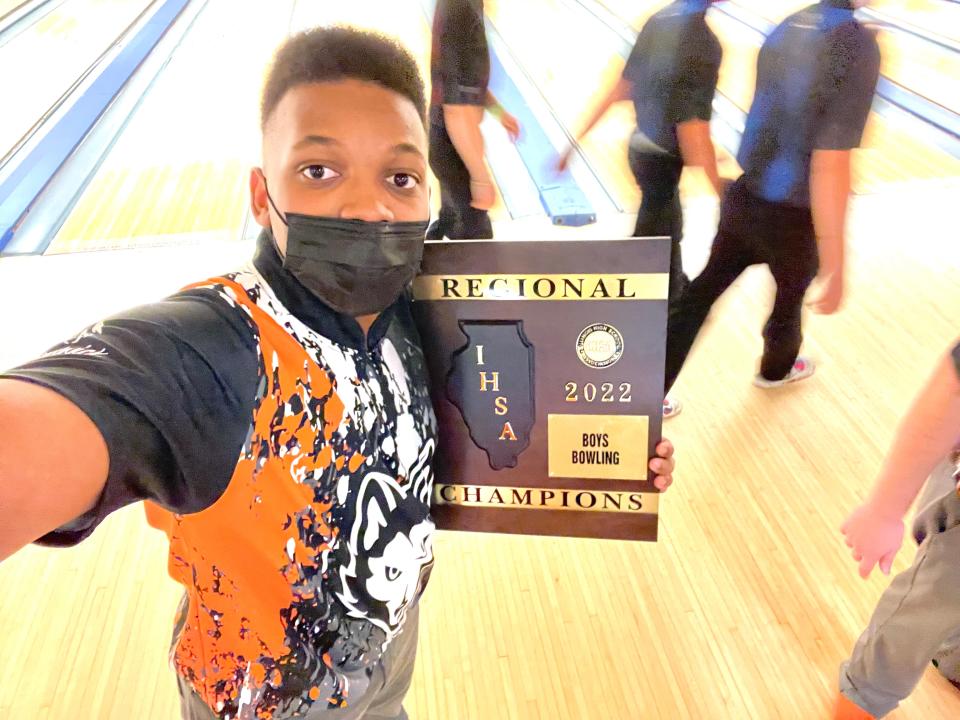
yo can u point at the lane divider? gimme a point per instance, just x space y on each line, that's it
563 199
888 22
20 190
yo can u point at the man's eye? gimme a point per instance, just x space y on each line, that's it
404 181
318 172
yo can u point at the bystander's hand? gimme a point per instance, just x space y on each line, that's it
511 125
828 294
874 537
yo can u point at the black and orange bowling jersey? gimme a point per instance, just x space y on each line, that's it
287 458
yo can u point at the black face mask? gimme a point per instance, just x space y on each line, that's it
355 267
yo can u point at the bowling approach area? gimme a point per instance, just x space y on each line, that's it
749 600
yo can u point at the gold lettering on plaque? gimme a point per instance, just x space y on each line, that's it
489 379
625 287
521 498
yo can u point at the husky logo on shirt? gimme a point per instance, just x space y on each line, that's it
390 547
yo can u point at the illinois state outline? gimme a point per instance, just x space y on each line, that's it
491 382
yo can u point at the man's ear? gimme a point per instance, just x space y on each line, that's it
259 205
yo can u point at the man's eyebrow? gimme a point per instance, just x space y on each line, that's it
328 141
316 140
408 148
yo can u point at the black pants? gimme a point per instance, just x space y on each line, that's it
457 220
660 211
752 231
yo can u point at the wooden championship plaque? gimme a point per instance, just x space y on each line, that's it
546 361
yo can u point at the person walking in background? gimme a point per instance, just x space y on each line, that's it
460 75
671 77
816 75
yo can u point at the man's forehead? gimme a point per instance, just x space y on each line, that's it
332 109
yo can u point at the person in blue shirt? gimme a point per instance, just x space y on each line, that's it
816 75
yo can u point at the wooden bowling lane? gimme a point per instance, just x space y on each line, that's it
920 66
43 61
8 6
179 169
941 17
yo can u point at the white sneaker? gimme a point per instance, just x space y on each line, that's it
671 407
803 367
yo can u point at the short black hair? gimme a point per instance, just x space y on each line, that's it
331 54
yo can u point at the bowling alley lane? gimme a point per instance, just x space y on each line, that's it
179 169
941 17
45 59
8 6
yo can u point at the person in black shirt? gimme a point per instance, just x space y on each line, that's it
671 77
460 74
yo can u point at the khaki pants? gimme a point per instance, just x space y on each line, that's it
918 617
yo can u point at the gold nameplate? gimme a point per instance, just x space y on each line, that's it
612 447
629 286
523 498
